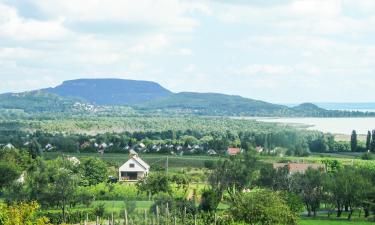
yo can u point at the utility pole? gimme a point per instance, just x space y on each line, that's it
166 166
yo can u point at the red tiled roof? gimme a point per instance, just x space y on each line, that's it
233 151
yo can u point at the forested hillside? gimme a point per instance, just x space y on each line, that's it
38 101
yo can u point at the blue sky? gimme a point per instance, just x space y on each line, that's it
277 50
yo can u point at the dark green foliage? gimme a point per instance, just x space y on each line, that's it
209 164
262 207
319 144
275 179
310 187
34 149
293 201
8 173
233 175
209 200
94 171
99 210
155 183
354 141
349 188
373 141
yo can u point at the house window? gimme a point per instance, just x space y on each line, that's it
131 165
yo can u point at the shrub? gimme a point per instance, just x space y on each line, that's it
367 156
209 201
262 207
209 164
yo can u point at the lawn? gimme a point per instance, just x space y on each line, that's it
332 222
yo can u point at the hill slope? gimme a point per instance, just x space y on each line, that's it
110 91
38 101
213 104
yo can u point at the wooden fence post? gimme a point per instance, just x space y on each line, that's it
157 214
126 217
145 217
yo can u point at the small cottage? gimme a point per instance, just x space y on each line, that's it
133 169
233 151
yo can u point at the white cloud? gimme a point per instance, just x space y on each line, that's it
151 44
15 27
171 14
265 69
184 51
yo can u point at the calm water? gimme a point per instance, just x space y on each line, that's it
332 125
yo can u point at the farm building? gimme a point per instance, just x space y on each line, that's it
233 151
298 167
133 169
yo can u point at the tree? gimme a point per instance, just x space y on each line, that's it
62 188
233 175
368 141
275 179
34 149
373 141
309 186
94 171
155 183
348 187
262 207
354 141
22 213
9 172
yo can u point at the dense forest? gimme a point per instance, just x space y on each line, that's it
190 135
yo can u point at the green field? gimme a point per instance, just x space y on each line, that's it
152 159
332 222
197 161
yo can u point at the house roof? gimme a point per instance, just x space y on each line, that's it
143 163
138 160
233 151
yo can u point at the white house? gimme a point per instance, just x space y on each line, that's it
133 169
9 146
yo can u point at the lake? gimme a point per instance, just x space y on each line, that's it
331 125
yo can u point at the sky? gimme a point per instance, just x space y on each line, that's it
282 51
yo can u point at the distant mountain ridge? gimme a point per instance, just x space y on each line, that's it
213 104
110 91
150 98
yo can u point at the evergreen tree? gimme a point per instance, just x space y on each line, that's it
368 141
373 141
354 141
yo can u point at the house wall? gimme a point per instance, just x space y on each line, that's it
138 168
